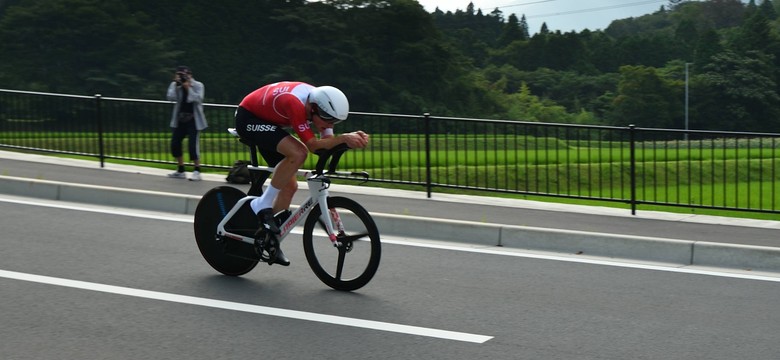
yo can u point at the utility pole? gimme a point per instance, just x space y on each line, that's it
686 100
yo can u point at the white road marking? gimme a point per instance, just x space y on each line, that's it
431 245
737 274
255 309
100 209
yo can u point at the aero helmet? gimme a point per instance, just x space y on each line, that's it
332 104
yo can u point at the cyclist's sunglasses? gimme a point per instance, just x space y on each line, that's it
327 118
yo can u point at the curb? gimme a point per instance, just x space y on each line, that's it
671 251
99 195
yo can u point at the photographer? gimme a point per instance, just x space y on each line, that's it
188 119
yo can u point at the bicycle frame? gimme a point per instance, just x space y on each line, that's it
318 195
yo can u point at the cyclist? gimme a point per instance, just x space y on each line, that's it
262 117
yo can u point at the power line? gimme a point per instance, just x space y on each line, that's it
521 4
597 9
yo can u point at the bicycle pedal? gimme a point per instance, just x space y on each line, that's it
265 248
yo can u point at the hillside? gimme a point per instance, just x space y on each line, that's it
393 56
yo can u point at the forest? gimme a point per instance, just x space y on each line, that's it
720 57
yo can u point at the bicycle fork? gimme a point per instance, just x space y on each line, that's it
318 188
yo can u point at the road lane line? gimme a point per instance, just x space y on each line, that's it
255 309
57 204
402 241
735 273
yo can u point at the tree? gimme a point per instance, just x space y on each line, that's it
524 33
571 46
544 30
600 52
73 46
723 13
768 9
754 34
686 32
498 14
526 107
646 99
751 8
396 43
393 56
512 32
707 46
653 49
737 93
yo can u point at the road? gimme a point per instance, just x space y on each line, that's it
85 282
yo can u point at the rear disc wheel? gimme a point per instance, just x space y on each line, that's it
230 257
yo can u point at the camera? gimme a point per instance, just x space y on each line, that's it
181 78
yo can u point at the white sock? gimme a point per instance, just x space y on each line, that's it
264 201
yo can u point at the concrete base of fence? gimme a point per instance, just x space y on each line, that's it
672 251
599 244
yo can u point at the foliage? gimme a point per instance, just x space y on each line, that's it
81 46
645 99
740 93
393 56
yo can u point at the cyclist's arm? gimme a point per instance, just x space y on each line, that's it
357 139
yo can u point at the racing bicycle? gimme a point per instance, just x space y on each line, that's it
340 239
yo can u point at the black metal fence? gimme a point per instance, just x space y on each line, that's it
636 166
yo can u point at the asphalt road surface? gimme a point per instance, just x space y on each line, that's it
83 282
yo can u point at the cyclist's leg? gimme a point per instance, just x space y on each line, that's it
294 153
267 137
287 159
282 188
285 196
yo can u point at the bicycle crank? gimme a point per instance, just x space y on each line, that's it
267 247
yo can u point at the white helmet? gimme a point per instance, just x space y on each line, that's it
332 104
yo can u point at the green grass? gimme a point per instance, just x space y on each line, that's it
719 173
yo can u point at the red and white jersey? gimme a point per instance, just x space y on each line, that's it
284 104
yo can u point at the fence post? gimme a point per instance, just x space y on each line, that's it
99 120
632 165
428 186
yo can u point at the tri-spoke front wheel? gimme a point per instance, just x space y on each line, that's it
351 265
